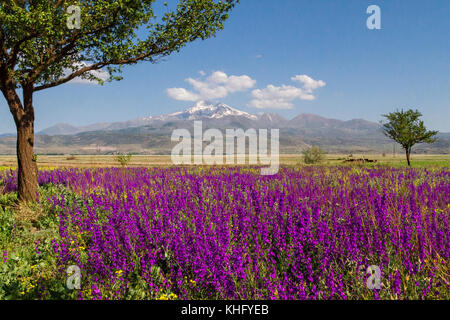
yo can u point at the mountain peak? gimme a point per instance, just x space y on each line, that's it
205 109
201 105
60 129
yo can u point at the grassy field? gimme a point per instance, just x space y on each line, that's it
89 161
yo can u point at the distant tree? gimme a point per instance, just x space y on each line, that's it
407 129
313 155
123 159
46 43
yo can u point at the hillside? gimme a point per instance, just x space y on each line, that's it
151 135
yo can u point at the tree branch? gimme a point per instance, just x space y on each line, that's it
95 66
10 94
70 44
59 3
13 55
70 77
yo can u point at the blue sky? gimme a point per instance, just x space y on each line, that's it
363 73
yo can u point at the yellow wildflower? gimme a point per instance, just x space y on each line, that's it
173 296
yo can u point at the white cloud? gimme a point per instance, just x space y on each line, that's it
309 84
217 86
103 75
182 94
100 74
282 97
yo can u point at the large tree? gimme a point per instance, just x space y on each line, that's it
406 128
43 44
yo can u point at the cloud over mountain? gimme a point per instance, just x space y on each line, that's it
218 85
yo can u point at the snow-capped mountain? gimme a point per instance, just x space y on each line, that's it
152 135
205 110
202 110
223 116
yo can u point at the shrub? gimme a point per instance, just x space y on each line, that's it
123 159
313 155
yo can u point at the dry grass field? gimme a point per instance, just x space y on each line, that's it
89 161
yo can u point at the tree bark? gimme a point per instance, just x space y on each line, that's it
26 163
27 168
27 175
408 153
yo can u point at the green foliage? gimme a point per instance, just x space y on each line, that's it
28 264
123 159
313 155
7 199
112 33
406 128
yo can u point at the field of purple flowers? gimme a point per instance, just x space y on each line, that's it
230 233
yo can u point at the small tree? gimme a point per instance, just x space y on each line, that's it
123 159
46 43
313 155
407 129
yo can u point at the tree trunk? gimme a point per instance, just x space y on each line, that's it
408 153
27 175
24 119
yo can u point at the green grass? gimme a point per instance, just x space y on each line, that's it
420 163
28 265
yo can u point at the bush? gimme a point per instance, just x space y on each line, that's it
313 155
123 159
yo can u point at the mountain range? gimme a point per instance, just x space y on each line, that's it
151 135
200 111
